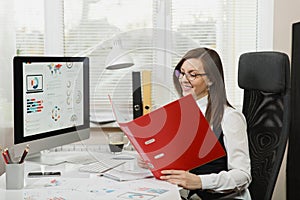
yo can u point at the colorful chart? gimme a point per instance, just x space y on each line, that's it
34 83
34 105
56 113
134 195
55 68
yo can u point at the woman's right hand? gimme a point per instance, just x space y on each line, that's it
142 163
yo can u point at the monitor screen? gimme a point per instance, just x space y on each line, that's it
51 101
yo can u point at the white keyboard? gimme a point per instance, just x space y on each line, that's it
82 159
101 166
81 147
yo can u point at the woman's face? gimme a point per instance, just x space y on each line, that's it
198 86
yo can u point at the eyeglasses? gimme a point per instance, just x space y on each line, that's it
189 76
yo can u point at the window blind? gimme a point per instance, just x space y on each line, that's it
155 33
229 27
29 23
91 28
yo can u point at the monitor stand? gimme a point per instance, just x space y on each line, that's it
45 159
55 158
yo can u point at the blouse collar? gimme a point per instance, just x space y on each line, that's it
202 103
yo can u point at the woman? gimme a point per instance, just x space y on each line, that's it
200 73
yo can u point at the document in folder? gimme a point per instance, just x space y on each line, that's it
175 136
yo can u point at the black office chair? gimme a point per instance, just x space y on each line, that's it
265 78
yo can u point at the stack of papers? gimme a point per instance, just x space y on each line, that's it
119 175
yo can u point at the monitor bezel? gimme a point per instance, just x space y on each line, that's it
18 97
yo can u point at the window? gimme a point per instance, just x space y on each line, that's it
91 29
155 33
29 21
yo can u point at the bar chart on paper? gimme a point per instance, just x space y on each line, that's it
99 188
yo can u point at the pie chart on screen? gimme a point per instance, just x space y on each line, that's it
35 83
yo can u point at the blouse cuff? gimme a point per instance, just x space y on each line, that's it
207 181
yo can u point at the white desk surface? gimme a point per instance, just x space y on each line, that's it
73 184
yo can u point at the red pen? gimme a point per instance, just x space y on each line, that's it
4 157
7 155
24 154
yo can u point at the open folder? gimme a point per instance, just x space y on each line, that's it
175 136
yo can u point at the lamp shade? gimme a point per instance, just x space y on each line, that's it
118 58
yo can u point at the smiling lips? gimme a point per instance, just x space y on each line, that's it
186 87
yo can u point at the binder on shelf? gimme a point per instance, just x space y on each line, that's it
146 91
137 104
175 136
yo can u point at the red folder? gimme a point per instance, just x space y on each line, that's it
175 136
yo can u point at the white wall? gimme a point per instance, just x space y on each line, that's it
286 12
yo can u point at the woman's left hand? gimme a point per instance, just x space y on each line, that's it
182 178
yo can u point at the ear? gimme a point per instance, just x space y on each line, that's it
209 83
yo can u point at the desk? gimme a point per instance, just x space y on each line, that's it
73 184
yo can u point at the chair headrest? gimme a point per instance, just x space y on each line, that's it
265 71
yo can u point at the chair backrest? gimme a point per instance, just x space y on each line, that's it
265 78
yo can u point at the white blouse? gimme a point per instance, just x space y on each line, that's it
238 176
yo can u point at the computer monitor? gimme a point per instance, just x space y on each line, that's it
51 102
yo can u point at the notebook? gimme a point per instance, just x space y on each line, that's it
175 136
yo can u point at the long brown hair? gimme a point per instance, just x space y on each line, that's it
216 91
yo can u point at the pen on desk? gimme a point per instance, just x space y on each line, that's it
123 158
108 169
24 154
